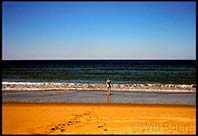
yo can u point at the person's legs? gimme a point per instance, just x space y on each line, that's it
108 90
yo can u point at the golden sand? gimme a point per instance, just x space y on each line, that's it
97 119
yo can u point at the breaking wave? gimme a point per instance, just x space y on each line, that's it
39 86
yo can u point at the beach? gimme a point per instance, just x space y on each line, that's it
99 97
69 97
28 118
98 68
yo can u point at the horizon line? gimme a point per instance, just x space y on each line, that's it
96 59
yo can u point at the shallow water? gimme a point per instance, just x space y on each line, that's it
99 97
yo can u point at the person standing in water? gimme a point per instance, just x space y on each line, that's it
108 83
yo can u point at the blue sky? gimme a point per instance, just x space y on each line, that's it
98 30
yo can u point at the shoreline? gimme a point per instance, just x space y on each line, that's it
89 97
46 86
19 118
100 104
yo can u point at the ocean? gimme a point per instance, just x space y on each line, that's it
83 81
97 71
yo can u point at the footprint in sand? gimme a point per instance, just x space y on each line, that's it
82 120
59 127
53 129
100 126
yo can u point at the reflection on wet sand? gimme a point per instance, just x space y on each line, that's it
108 99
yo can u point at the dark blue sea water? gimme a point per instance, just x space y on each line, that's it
97 71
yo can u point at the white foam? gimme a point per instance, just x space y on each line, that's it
90 86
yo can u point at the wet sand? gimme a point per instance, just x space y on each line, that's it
90 97
21 118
